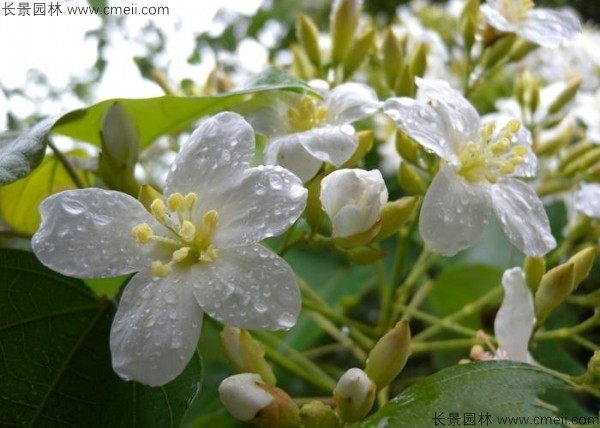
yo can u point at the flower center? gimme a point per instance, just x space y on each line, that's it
515 11
493 157
306 115
189 242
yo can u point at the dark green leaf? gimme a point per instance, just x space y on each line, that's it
19 158
500 389
55 365
167 114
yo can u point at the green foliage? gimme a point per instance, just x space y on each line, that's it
55 364
495 388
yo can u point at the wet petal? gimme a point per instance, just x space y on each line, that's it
492 16
349 102
266 202
214 157
454 213
156 328
515 318
587 200
331 144
249 287
289 153
523 217
549 28
87 234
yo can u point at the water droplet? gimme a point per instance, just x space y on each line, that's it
286 320
275 182
73 207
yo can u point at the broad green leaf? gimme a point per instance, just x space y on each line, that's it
19 157
19 200
55 364
162 115
486 391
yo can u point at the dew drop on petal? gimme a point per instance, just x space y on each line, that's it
286 320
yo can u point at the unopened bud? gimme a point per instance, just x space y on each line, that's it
394 214
308 35
498 50
557 141
392 57
555 286
583 261
354 395
389 355
343 21
565 96
249 399
405 85
361 49
318 415
418 60
410 180
535 268
245 354
592 374
408 148
365 142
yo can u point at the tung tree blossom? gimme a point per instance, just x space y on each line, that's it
305 132
545 27
480 161
195 250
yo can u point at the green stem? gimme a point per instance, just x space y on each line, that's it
338 335
66 164
437 323
443 345
567 332
591 346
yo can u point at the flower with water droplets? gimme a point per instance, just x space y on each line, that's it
195 250
587 199
515 319
545 27
305 131
480 160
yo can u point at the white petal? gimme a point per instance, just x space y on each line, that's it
156 328
331 144
87 234
493 17
515 318
268 113
289 153
587 200
243 396
549 28
454 213
266 202
214 157
249 287
523 217
350 102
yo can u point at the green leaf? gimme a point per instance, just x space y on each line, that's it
19 201
20 157
500 389
55 364
167 114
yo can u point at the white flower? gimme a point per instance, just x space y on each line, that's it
353 199
587 199
545 27
588 111
306 132
515 319
243 396
195 252
476 177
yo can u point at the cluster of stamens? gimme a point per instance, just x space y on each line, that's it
515 10
306 115
188 242
492 157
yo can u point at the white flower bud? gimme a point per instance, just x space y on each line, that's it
353 199
243 397
354 395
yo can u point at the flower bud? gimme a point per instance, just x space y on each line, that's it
534 268
583 261
418 60
318 415
354 395
565 96
353 199
365 143
410 180
249 399
392 57
361 49
389 355
498 50
308 35
592 374
245 354
343 21
394 215
408 148
555 286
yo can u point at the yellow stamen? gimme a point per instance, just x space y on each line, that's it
180 254
175 202
187 231
141 233
158 209
160 269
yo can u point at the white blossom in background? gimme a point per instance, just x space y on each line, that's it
195 251
304 131
587 109
587 200
353 199
515 319
545 27
476 178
